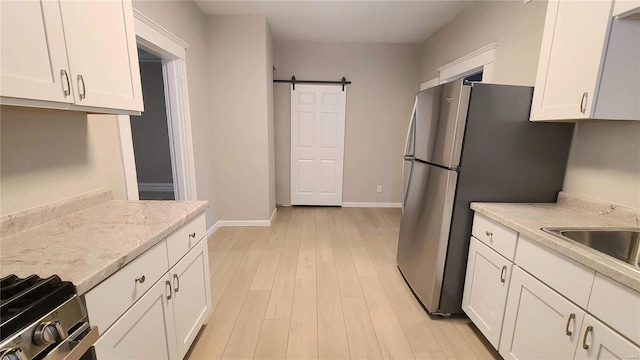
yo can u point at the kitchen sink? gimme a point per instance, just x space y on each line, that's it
620 243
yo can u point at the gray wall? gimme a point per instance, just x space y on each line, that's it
379 102
50 155
185 20
604 162
150 130
239 113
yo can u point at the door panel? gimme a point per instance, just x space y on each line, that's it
33 52
603 343
424 230
317 144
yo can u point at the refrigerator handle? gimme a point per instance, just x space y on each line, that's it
410 129
406 189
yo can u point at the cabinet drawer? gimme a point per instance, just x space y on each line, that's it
111 298
616 305
569 278
498 237
183 239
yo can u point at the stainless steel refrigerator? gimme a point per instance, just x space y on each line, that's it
468 143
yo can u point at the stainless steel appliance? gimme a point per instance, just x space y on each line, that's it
468 143
43 319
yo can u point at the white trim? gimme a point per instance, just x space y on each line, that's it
372 204
274 216
429 84
128 159
223 223
158 38
155 187
481 59
212 229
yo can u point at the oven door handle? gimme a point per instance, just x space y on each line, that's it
76 345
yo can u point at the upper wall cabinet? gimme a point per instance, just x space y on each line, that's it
75 55
588 61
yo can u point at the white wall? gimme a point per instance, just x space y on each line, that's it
50 155
185 20
379 101
604 162
239 113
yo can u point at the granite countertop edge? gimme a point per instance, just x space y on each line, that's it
588 257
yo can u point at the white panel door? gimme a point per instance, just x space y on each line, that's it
598 341
538 323
485 289
192 295
33 60
317 144
145 331
103 57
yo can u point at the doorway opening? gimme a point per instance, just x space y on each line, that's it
150 134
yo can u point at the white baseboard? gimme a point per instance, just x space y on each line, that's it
155 187
243 223
372 204
274 216
212 229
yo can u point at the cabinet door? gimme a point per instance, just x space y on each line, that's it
538 322
598 341
33 60
103 55
571 57
146 331
192 291
485 289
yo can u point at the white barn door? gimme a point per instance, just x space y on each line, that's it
317 144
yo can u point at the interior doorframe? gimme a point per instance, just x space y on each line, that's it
154 38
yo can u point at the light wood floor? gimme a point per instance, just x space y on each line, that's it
322 283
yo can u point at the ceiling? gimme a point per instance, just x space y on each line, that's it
404 22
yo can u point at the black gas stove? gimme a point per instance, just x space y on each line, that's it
43 319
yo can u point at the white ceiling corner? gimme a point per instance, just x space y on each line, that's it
403 22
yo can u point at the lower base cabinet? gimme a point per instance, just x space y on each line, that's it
166 320
538 322
598 341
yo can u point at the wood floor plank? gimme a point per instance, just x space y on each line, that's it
272 344
292 239
363 264
332 336
363 343
393 343
281 299
345 267
246 331
323 237
266 272
303 328
225 238
223 276
451 340
307 255
279 232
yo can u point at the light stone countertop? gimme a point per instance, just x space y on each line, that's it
527 219
88 245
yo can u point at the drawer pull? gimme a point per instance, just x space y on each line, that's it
488 233
67 90
503 274
584 338
192 235
566 330
141 279
177 281
168 283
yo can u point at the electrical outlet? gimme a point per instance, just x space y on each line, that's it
379 189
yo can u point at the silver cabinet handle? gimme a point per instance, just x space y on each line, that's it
168 283
192 235
82 93
583 102
566 330
503 274
177 281
141 279
67 90
584 338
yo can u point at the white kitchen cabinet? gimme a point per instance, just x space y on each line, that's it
145 331
538 322
191 295
33 60
598 341
571 57
485 289
76 55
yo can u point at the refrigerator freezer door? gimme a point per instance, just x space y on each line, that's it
424 231
440 120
